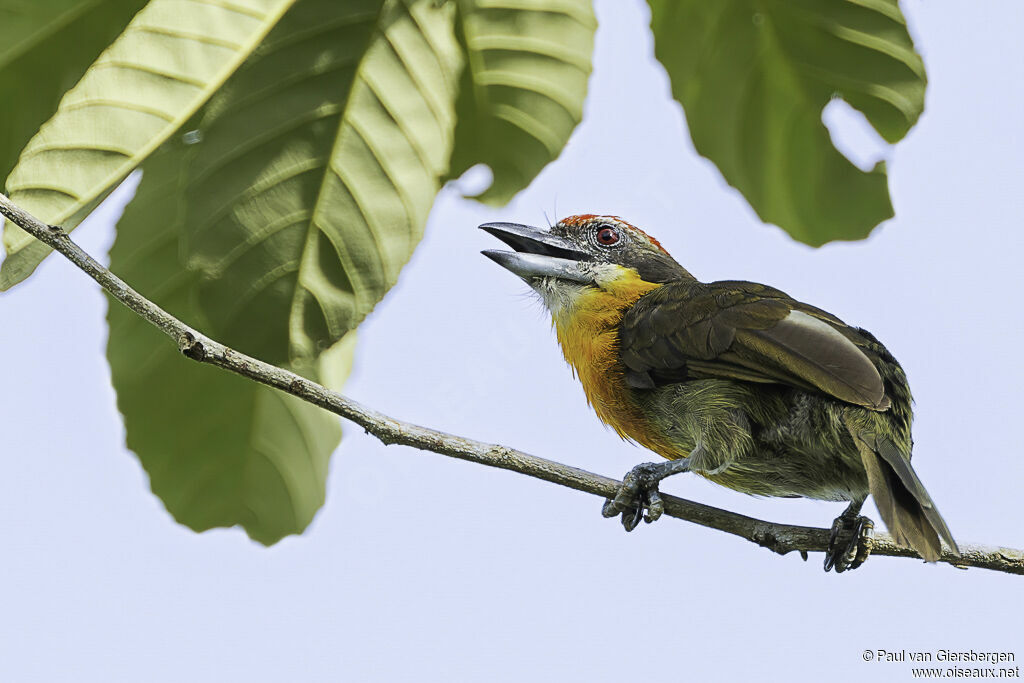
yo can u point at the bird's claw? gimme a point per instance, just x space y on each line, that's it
639 492
849 544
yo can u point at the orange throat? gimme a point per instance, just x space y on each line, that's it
588 332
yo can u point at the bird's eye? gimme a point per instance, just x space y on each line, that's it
607 236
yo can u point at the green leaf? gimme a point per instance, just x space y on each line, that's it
45 47
753 77
303 192
220 450
521 94
318 164
172 56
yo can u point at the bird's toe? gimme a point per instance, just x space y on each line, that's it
849 544
637 499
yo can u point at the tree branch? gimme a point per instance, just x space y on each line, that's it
780 538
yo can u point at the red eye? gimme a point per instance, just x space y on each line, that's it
607 236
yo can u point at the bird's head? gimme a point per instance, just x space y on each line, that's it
581 252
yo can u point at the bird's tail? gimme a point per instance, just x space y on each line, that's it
906 508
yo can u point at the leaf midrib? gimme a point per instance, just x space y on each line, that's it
313 227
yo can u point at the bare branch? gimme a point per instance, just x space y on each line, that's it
780 538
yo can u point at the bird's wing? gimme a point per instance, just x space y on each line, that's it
748 332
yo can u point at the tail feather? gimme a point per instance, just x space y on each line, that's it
906 508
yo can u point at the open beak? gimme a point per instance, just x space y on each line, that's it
537 253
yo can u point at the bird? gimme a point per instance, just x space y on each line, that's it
731 380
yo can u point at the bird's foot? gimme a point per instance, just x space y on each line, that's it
639 492
850 543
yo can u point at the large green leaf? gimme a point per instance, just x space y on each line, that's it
318 164
521 94
753 77
172 56
45 48
220 450
302 192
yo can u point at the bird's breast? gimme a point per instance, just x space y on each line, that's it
588 333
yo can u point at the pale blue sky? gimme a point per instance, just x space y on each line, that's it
423 568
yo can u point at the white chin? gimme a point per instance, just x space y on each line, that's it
558 296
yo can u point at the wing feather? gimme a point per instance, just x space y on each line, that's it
748 332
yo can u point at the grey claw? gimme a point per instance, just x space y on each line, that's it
631 518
